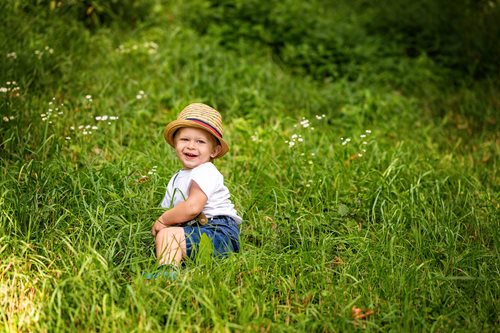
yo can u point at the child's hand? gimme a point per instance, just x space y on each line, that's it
157 226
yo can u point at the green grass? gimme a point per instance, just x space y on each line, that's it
409 229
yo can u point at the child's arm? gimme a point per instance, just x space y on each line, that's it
184 211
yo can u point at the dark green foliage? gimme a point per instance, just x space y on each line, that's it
333 39
463 35
92 13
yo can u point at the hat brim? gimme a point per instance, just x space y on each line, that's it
175 125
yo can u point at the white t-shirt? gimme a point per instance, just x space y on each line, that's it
211 182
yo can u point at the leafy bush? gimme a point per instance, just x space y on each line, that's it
335 39
309 37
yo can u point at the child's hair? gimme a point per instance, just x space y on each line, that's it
198 115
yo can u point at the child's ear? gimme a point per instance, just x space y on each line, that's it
216 151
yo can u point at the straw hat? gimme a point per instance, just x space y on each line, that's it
201 116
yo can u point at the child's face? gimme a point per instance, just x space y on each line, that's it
195 146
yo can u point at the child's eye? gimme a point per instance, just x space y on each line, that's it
200 141
184 139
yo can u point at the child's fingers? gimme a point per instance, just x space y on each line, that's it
156 227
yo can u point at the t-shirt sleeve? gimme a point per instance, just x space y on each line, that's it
208 178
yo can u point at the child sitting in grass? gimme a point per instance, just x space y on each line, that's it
197 201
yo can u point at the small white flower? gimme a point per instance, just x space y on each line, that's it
72 128
368 131
138 96
253 138
365 143
88 97
300 139
98 118
291 144
3 89
94 128
6 119
362 136
68 138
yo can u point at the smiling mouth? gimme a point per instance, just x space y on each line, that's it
190 155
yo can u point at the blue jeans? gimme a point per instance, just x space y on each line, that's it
222 231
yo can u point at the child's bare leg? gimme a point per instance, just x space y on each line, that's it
170 245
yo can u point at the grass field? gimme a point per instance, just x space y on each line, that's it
370 203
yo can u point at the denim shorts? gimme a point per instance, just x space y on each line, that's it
222 231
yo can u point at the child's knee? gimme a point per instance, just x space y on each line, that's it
169 234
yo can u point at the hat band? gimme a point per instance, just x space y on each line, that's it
207 125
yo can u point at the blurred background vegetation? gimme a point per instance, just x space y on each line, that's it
408 227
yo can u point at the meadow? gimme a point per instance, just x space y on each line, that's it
366 172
